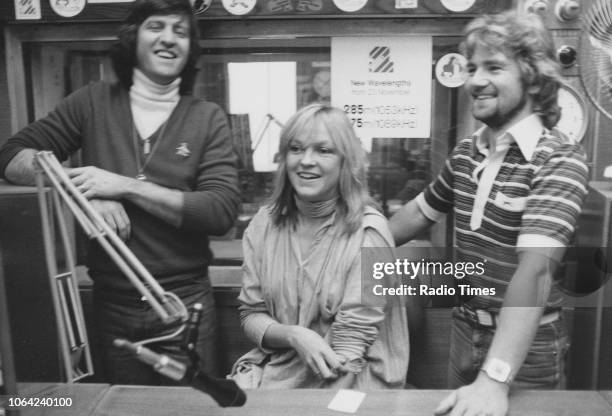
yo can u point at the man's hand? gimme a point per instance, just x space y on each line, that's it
114 215
99 183
316 353
483 397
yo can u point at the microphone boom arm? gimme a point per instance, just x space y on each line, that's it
167 305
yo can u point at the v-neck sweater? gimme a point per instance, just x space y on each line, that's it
195 157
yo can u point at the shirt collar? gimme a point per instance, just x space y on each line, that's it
526 133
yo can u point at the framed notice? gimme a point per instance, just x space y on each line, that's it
383 84
27 9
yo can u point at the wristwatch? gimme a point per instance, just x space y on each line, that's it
497 370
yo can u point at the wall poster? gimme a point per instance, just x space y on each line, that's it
383 84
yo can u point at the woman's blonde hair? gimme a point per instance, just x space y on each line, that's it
353 194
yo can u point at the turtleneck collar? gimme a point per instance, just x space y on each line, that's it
151 103
146 88
318 209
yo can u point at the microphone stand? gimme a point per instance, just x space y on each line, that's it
269 118
225 392
167 305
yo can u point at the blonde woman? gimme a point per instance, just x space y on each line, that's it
303 298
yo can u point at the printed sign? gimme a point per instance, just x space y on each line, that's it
406 4
27 9
67 8
383 84
350 5
451 70
284 6
309 5
279 6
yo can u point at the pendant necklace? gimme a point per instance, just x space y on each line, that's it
147 150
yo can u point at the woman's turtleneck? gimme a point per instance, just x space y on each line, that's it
151 103
318 209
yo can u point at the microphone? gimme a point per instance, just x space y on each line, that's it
225 392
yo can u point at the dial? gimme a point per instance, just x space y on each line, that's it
350 5
458 5
573 121
67 8
239 7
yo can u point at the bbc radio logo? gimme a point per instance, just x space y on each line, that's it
380 60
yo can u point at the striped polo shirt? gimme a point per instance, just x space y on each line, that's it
534 185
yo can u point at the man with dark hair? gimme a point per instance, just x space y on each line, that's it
516 188
158 166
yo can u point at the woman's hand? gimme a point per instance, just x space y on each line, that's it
315 352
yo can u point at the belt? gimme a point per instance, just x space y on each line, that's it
488 319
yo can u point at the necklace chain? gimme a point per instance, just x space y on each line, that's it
147 150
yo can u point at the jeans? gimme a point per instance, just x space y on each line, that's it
126 315
543 368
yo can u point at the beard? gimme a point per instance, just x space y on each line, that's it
499 118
